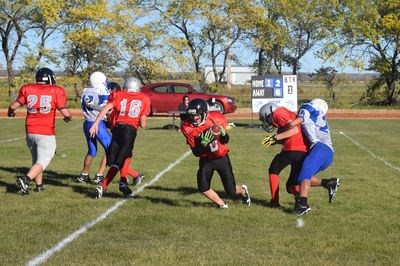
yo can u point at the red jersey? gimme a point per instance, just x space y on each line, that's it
41 102
215 149
129 107
280 118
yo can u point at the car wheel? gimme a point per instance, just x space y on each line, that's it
218 107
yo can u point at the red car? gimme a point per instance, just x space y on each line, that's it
166 97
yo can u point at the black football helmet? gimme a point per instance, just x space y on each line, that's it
113 86
265 116
197 107
45 76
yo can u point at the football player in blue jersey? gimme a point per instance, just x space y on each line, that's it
93 100
311 117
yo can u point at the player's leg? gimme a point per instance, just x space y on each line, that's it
136 176
204 176
42 149
280 162
318 159
104 137
224 169
91 153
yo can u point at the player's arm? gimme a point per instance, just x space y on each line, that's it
299 120
196 150
66 113
290 129
143 121
193 142
224 137
202 142
12 107
93 130
145 113
287 133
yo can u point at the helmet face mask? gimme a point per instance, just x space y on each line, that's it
45 76
267 124
197 111
266 115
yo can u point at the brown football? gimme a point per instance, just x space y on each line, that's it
216 131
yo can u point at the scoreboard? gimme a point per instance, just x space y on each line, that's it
281 90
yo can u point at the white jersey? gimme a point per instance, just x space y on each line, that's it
314 125
98 96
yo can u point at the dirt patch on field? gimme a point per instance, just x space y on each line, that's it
335 114
246 113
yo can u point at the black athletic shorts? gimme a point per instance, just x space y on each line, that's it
223 167
121 146
283 159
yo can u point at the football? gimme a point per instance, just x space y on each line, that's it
215 131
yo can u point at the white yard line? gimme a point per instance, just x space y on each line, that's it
370 152
63 243
13 139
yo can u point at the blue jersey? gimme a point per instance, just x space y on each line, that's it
316 130
314 125
98 97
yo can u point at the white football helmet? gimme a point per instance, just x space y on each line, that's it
132 84
265 116
98 79
320 104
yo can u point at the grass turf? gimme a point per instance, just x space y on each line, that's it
170 223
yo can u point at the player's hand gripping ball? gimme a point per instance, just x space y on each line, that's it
215 131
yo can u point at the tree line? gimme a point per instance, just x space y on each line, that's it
149 38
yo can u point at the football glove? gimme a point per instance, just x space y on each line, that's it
269 140
67 119
11 112
223 131
206 138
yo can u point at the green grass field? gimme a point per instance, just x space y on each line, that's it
168 222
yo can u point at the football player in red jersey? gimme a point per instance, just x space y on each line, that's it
294 151
213 153
132 108
41 100
111 119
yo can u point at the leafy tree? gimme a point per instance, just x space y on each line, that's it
284 31
267 36
306 24
186 31
328 76
225 24
89 38
15 21
144 52
47 18
370 32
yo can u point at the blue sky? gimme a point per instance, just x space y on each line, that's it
309 63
